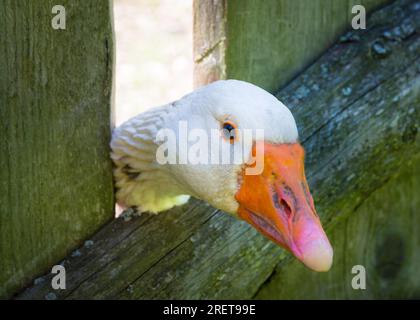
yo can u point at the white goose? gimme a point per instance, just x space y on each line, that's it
276 201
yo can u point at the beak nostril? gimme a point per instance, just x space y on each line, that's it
286 207
281 204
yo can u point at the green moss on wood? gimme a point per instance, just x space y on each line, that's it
269 43
55 173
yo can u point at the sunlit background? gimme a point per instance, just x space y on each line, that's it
154 54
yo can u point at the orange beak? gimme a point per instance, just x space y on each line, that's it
278 204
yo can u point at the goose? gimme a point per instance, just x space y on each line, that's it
274 199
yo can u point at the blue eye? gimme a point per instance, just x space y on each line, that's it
229 131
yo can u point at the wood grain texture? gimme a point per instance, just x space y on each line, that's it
55 172
289 36
356 141
209 38
267 43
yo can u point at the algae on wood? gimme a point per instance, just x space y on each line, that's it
55 172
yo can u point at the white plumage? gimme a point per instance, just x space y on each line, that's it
153 187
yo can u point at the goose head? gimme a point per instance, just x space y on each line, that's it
233 145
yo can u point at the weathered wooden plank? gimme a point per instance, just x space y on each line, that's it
193 252
55 172
113 258
266 42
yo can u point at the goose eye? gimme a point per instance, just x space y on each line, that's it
229 131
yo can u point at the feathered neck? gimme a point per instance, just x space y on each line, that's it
141 182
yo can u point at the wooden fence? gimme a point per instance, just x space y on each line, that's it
357 109
55 123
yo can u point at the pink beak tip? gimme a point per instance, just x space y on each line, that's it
317 255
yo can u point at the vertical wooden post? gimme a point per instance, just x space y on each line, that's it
267 43
55 122
209 24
